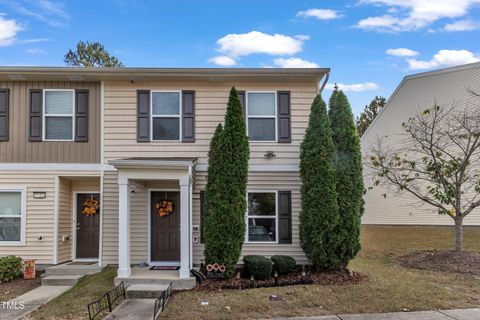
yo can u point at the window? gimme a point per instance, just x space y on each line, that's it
262 217
261 115
166 115
11 216
58 107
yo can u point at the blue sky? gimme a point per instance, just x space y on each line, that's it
370 45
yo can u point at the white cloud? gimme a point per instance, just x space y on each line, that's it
320 14
444 58
355 87
244 44
294 63
222 61
8 31
402 52
461 25
410 15
36 51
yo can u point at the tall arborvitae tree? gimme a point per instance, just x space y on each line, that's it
319 216
348 175
227 185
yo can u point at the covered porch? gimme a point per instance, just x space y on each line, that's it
154 219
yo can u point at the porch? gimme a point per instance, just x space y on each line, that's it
154 220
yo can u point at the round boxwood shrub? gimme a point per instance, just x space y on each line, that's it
10 268
258 266
284 264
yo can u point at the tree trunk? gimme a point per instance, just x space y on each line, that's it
459 234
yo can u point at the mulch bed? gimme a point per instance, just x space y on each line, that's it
336 277
446 261
17 287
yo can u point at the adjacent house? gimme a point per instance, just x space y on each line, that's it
445 87
89 157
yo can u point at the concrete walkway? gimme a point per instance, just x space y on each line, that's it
459 314
26 303
133 309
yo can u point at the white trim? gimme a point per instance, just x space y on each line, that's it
275 116
74 226
102 124
262 217
100 240
149 219
124 268
23 215
44 114
259 168
179 116
56 214
51 166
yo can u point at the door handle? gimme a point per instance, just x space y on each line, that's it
78 228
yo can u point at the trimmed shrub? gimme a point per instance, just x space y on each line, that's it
10 268
284 264
258 266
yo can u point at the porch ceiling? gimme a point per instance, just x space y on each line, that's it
154 163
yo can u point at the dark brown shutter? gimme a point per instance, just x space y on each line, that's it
284 217
143 115
241 96
188 116
36 112
4 106
202 214
284 127
81 115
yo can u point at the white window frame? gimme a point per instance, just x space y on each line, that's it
261 116
45 116
173 116
22 216
262 217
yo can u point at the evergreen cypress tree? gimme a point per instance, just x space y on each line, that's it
226 189
348 175
319 216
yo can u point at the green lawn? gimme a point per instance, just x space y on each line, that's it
389 288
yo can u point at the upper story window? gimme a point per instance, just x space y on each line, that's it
58 106
166 114
11 216
262 217
261 116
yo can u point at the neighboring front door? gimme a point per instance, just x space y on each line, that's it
88 228
165 231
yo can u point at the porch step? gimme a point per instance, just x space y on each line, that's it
145 291
177 284
68 269
64 280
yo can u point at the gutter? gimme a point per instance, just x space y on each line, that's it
327 76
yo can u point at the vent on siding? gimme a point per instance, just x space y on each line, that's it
17 77
75 77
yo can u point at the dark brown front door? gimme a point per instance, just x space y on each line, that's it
88 228
165 232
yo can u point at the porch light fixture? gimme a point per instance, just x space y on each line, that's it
269 155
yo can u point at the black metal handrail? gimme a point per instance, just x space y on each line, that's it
106 301
162 300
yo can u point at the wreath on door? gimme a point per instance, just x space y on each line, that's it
164 207
90 207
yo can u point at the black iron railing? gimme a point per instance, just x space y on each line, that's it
162 300
106 301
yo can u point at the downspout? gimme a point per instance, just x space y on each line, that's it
327 76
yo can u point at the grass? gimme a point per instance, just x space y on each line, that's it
73 303
390 287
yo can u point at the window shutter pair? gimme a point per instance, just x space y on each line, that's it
4 109
187 116
80 117
284 131
284 216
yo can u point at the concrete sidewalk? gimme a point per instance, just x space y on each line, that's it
458 314
26 303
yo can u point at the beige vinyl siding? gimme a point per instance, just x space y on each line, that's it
210 103
19 149
414 95
39 214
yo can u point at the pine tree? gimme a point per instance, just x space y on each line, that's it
227 186
369 113
348 176
319 216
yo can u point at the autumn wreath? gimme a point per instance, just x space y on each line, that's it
164 207
90 207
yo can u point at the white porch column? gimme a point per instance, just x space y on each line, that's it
184 227
124 269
